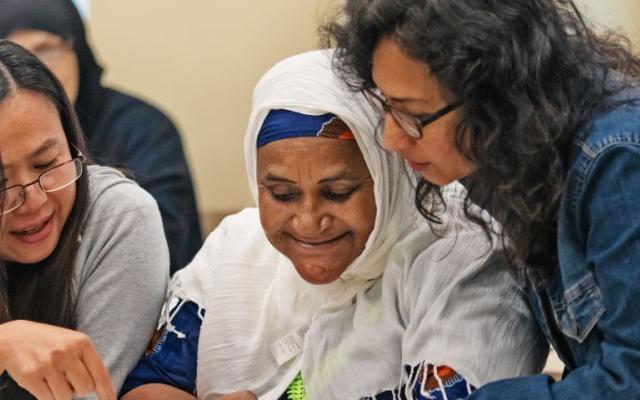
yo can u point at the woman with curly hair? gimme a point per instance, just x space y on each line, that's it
539 117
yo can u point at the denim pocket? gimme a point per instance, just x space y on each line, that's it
581 309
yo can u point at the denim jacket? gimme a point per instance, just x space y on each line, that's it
588 307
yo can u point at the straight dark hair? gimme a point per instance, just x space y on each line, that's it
43 292
530 75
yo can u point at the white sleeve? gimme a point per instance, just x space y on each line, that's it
466 311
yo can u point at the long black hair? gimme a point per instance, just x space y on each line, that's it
43 291
529 73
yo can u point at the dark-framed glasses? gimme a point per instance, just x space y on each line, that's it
410 124
51 180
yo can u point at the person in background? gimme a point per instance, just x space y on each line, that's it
84 264
121 130
538 115
333 288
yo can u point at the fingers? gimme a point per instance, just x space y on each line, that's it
80 380
53 363
37 387
99 374
59 386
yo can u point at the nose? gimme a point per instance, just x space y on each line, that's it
311 218
394 138
34 199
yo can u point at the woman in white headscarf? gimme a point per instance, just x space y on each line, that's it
316 294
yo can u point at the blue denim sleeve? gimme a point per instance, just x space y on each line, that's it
172 357
609 212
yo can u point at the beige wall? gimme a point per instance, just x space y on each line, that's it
199 60
622 15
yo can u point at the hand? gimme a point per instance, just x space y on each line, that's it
242 395
53 363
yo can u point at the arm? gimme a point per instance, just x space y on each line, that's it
612 227
157 391
123 283
171 359
172 356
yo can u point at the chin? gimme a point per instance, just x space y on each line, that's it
438 180
316 275
29 256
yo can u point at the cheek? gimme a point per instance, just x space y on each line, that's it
272 214
64 200
5 222
362 213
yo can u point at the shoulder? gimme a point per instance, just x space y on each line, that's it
130 118
123 106
111 193
605 152
232 252
240 239
459 257
122 232
617 123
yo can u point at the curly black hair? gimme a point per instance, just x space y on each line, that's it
530 75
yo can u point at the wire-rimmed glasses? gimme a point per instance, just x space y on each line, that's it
410 124
51 180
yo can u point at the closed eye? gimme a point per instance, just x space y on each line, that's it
283 195
46 165
338 196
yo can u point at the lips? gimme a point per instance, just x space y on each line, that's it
416 166
318 242
318 246
34 232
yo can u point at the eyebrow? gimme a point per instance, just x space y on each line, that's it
49 143
405 100
341 176
274 178
43 148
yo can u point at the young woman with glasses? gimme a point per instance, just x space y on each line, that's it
83 259
539 118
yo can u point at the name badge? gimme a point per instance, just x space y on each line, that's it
289 346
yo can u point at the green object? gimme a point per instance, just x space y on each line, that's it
296 389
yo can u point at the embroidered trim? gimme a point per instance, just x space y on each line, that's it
296 389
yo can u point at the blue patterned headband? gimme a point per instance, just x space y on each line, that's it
285 124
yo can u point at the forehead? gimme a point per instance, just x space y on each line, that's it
34 39
400 76
28 120
320 153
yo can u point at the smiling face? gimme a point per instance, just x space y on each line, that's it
408 86
317 204
32 140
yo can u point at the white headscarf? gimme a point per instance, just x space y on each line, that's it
258 308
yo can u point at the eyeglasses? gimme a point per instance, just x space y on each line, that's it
410 124
53 179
